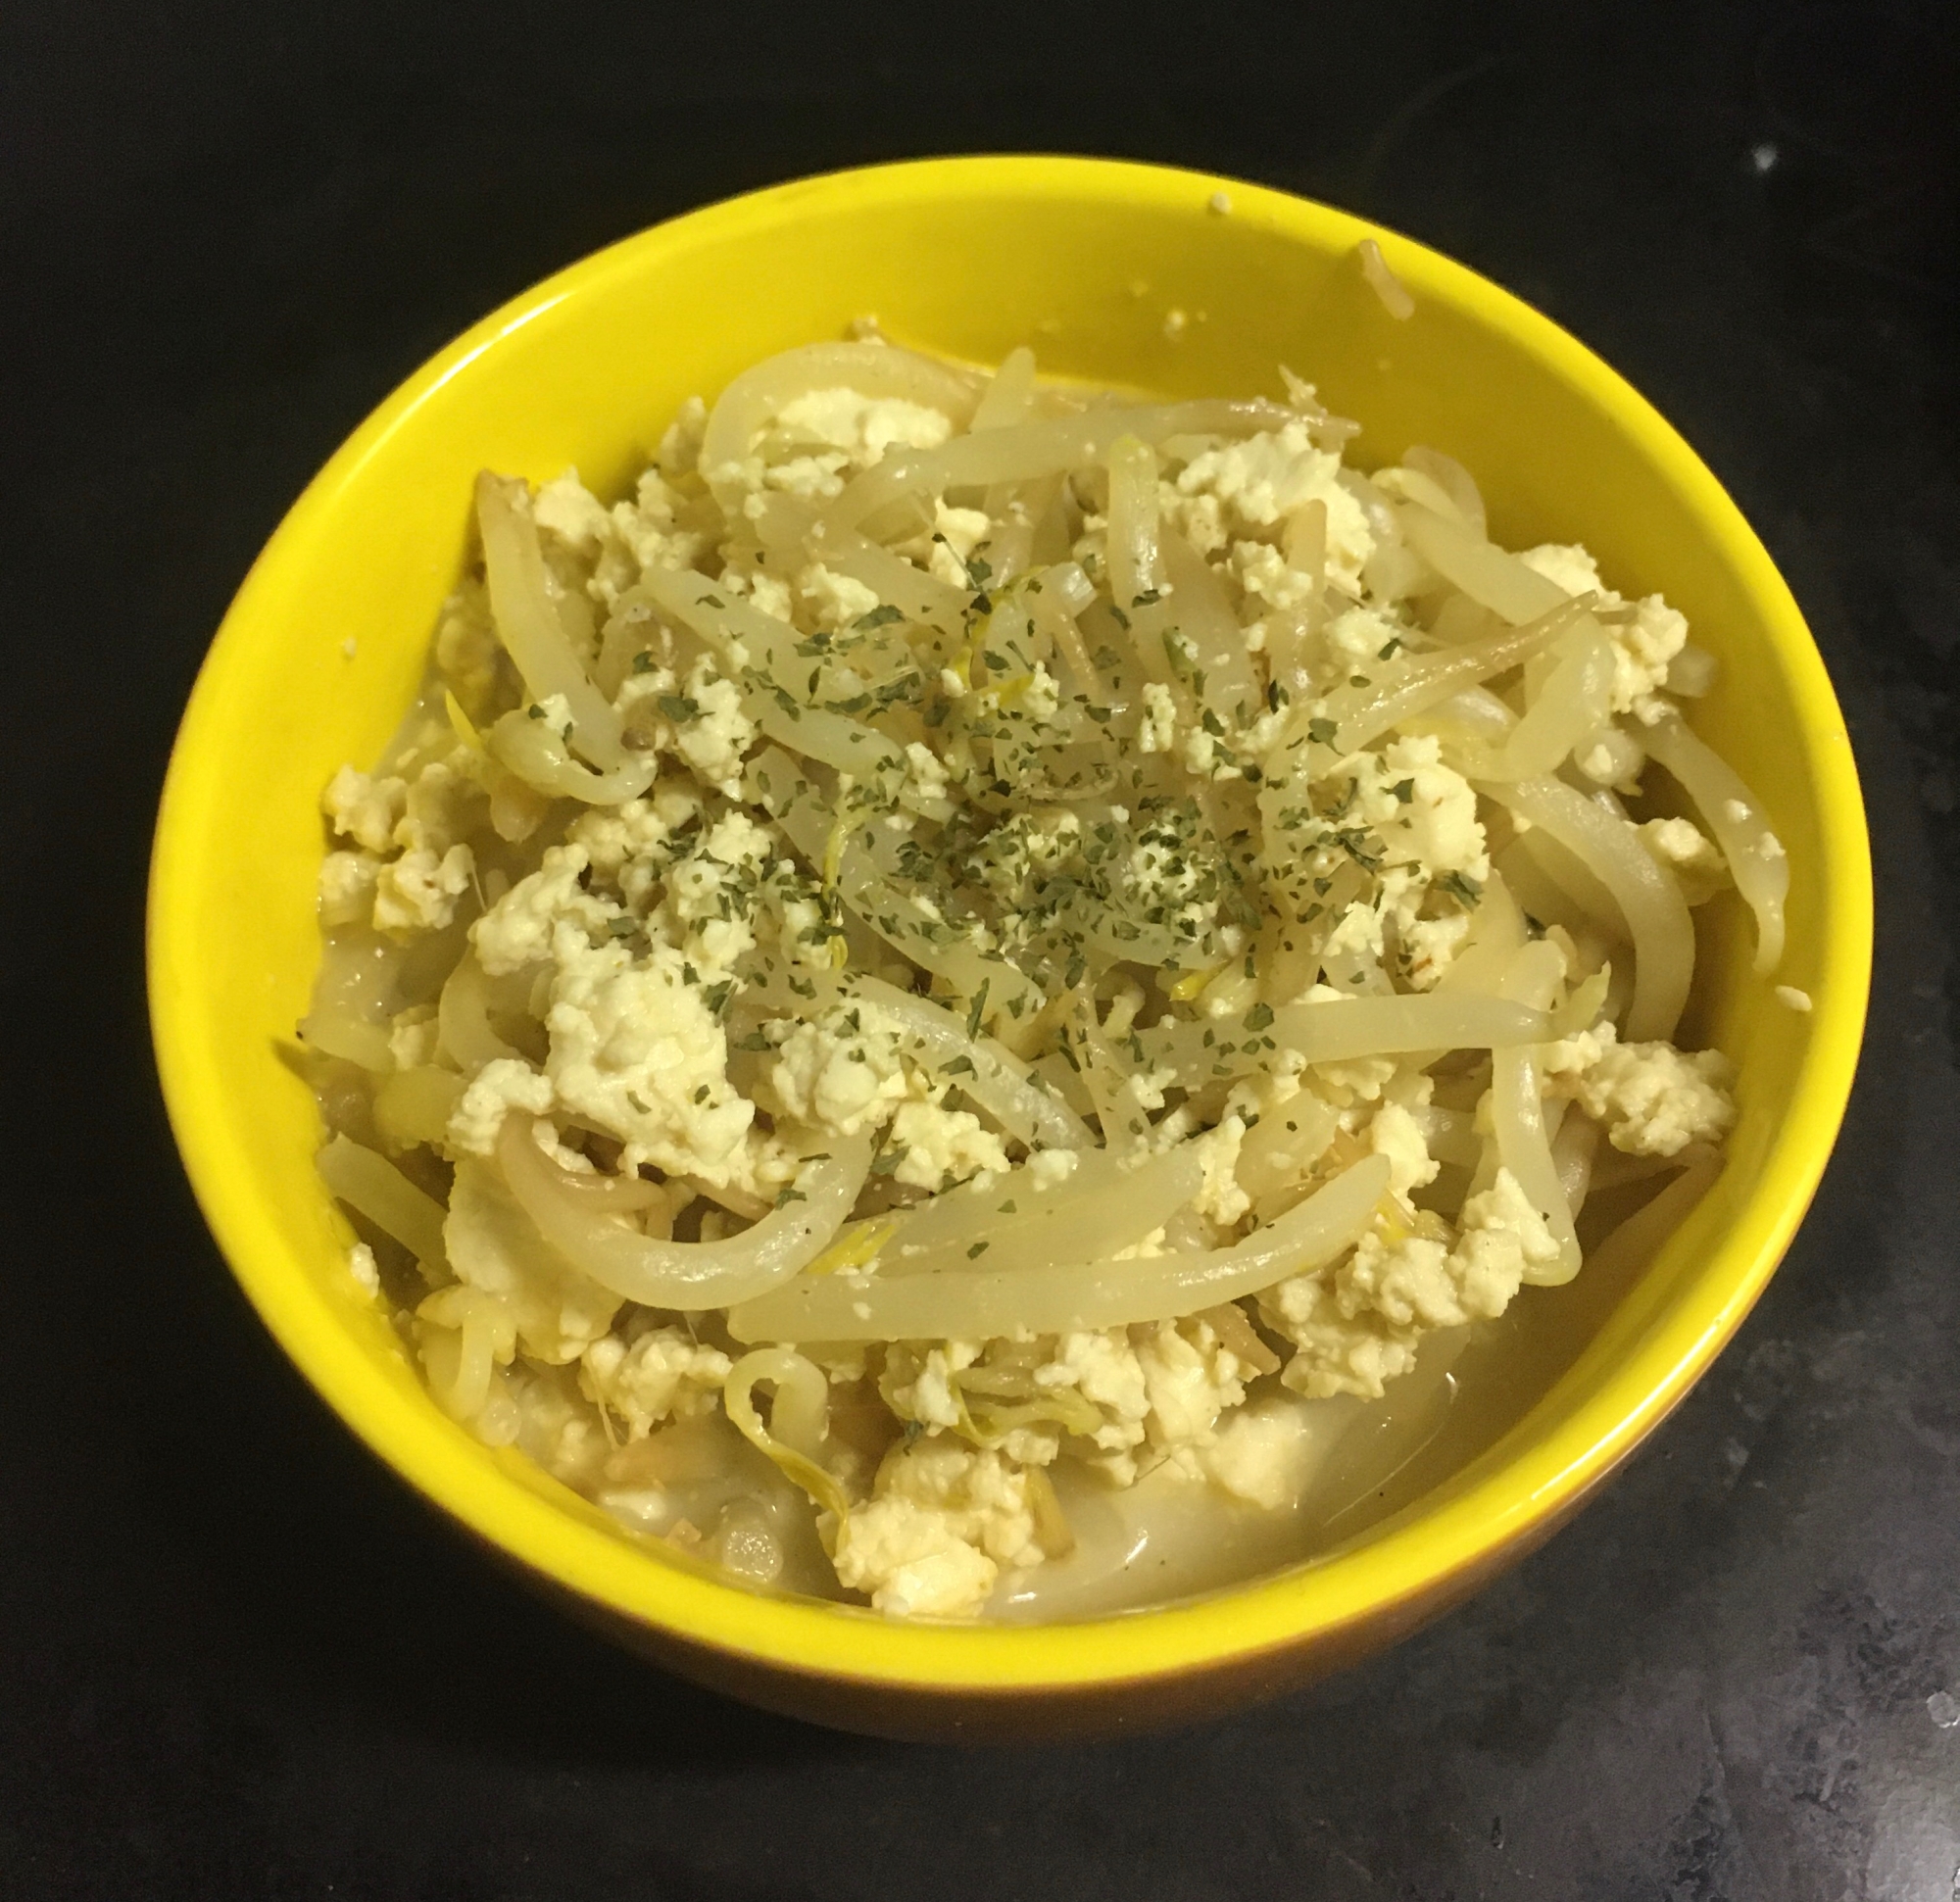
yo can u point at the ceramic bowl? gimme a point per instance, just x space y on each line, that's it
1160 279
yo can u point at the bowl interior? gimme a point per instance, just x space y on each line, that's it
1088 263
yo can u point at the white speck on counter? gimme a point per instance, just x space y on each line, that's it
1945 1709
1791 999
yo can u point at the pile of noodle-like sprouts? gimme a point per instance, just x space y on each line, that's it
1069 812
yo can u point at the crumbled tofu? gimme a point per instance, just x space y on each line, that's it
1652 1099
1695 860
961 531
713 739
418 892
1502 1239
1104 1368
1201 518
1566 566
347 881
568 510
1424 807
1261 571
1357 1326
1219 1198
1191 1376
925 773
1601 762
840 1075
767 593
1159 731
637 1049
1337 1352
364 808
413 1037
709 889
863 427
1262 479
1262 1453
1355 640
919 1382
943 1520
1643 647
630 847
1041 698
680 445
640 536
410 870
523 927
1394 1132
1430 945
503 1085
666 1374
836 602
942 1147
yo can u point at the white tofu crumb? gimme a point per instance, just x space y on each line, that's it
836 601
501 1086
1359 1327
1655 1099
864 425
943 1146
1695 860
844 1079
943 1520
1159 731
1262 1455
664 1374
1793 999
566 509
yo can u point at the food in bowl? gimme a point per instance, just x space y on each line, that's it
985 977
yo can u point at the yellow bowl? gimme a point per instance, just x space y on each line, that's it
1128 274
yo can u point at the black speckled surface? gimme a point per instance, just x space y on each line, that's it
235 1660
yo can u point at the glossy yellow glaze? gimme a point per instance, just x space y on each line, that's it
1087 262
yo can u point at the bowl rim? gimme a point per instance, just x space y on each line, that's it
1412 1560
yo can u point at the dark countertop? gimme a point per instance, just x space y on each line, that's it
237 1660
